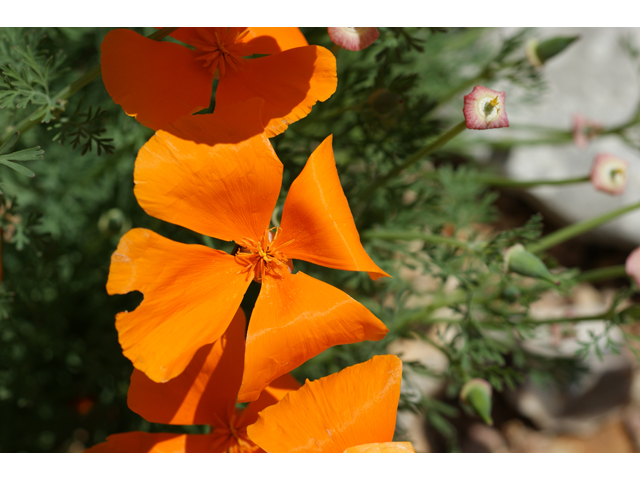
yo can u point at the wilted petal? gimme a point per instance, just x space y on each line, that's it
356 406
191 295
295 318
484 108
316 216
353 38
609 174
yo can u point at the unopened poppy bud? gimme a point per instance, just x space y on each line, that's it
484 108
519 260
353 38
584 130
632 265
113 222
511 293
609 174
477 394
538 53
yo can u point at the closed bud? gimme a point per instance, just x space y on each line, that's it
632 265
476 393
113 222
538 53
518 260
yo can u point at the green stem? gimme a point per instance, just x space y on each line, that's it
497 181
604 273
576 229
405 235
70 89
526 321
423 152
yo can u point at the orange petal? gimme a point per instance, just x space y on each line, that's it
290 82
142 442
269 396
295 318
316 216
205 393
388 447
156 82
269 40
353 407
226 191
191 295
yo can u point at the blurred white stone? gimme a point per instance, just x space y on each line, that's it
597 79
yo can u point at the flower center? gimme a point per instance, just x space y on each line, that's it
239 441
490 108
617 176
222 48
260 256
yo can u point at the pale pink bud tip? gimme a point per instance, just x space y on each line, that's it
632 265
353 38
584 130
484 108
609 174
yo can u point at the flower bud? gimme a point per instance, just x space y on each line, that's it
609 174
584 130
484 108
519 260
477 394
538 53
113 222
632 265
353 38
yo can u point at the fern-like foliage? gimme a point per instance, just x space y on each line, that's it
84 129
27 71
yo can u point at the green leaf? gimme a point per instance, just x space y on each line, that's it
17 168
11 141
33 153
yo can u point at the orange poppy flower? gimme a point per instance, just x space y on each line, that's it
350 411
204 394
159 82
229 191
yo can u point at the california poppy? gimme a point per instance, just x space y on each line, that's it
350 411
158 82
204 394
229 191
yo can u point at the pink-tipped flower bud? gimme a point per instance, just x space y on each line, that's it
584 130
632 265
609 174
353 38
484 108
476 393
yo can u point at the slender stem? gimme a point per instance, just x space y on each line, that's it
604 273
497 181
406 235
576 229
527 321
423 152
70 89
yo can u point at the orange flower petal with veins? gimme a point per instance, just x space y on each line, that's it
317 217
143 442
295 318
205 393
191 295
226 191
388 447
290 82
356 406
156 82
